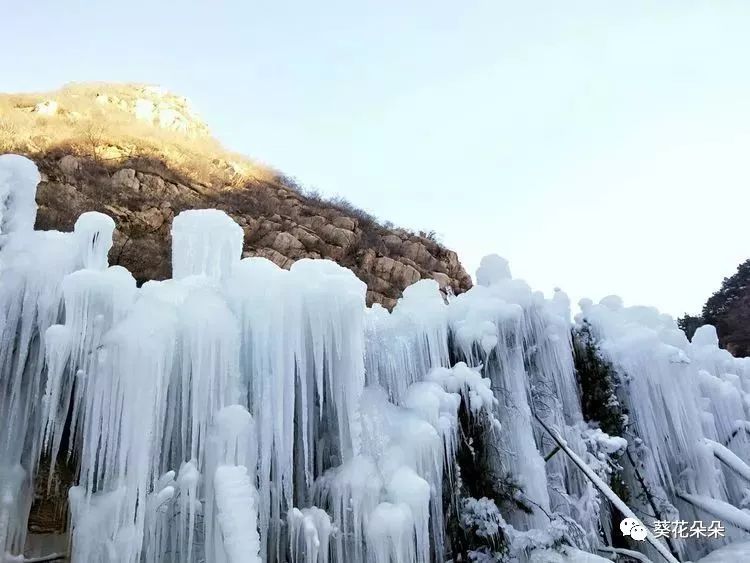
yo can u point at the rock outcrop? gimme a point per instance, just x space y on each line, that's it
143 190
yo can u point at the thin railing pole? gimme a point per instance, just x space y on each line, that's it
606 491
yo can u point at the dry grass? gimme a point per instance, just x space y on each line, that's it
114 136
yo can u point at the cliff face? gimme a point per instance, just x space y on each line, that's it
141 156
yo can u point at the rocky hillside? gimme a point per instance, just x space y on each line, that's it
141 155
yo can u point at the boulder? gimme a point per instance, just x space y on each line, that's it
285 242
69 164
337 236
111 152
403 275
383 266
152 183
153 218
367 259
378 285
333 252
125 179
273 255
444 281
392 242
377 297
415 251
316 222
346 223
309 239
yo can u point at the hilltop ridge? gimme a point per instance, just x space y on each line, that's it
141 154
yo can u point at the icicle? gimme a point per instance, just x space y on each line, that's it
390 533
302 362
310 532
93 231
32 266
408 488
352 491
11 481
18 180
237 515
488 323
404 345
469 383
231 498
205 242
98 534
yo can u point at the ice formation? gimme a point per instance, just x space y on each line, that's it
240 412
687 408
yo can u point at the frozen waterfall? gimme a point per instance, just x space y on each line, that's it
240 412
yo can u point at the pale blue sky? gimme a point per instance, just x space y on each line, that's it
600 145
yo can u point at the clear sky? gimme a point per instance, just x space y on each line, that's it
602 146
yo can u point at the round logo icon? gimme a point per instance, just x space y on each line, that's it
633 528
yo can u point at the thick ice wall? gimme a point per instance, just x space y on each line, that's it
231 496
333 322
121 410
517 338
554 400
156 363
269 314
237 516
310 531
161 362
18 180
32 269
488 323
522 342
209 375
404 345
32 266
302 360
684 403
160 383
93 382
498 328
661 391
724 383
94 233
493 269
398 473
205 242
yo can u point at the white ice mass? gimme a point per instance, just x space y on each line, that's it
240 412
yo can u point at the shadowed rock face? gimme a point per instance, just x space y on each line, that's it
279 224
140 155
